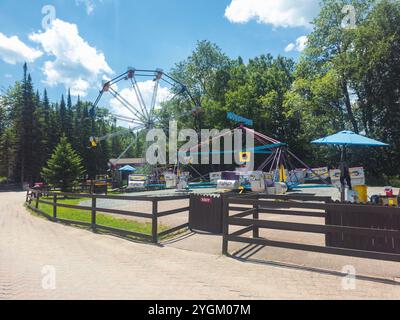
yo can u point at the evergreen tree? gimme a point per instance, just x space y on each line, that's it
77 128
62 115
7 154
39 139
345 79
47 126
69 119
24 105
64 168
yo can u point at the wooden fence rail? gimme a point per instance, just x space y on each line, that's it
249 218
35 197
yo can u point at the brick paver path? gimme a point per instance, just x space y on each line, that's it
91 266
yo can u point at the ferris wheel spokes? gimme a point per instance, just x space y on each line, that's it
145 115
139 96
132 76
156 80
125 119
142 110
127 105
94 141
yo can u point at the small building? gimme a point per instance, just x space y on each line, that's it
115 165
134 162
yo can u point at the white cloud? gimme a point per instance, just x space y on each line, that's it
77 65
279 13
89 4
146 88
300 45
13 50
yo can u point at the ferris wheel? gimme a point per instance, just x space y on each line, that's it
134 97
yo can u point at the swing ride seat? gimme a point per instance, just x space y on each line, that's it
155 186
201 185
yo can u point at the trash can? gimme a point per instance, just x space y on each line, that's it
205 212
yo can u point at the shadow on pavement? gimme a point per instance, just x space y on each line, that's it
246 254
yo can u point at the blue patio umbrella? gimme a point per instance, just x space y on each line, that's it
349 138
128 169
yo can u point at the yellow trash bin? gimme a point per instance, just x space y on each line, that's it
362 192
390 201
393 202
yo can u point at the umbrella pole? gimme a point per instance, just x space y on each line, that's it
343 186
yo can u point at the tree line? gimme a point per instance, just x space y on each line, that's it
347 78
31 127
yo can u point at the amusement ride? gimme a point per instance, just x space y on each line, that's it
142 115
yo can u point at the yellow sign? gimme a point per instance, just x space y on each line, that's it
93 142
245 157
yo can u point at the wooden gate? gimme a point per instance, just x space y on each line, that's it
351 230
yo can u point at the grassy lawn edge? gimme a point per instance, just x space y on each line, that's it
102 219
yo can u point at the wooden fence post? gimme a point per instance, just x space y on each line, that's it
37 200
256 216
93 213
225 225
55 206
154 222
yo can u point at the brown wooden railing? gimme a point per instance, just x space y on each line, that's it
35 197
373 224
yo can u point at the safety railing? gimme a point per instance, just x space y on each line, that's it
36 197
362 231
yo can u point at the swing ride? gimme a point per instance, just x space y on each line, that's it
276 171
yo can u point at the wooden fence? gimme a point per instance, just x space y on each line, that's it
247 213
364 216
35 197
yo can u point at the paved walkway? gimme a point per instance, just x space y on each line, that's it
91 266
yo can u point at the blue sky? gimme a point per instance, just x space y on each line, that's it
92 39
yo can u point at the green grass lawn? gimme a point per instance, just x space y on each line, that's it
101 219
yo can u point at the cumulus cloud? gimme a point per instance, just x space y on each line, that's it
13 50
77 65
146 88
299 45
279 13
